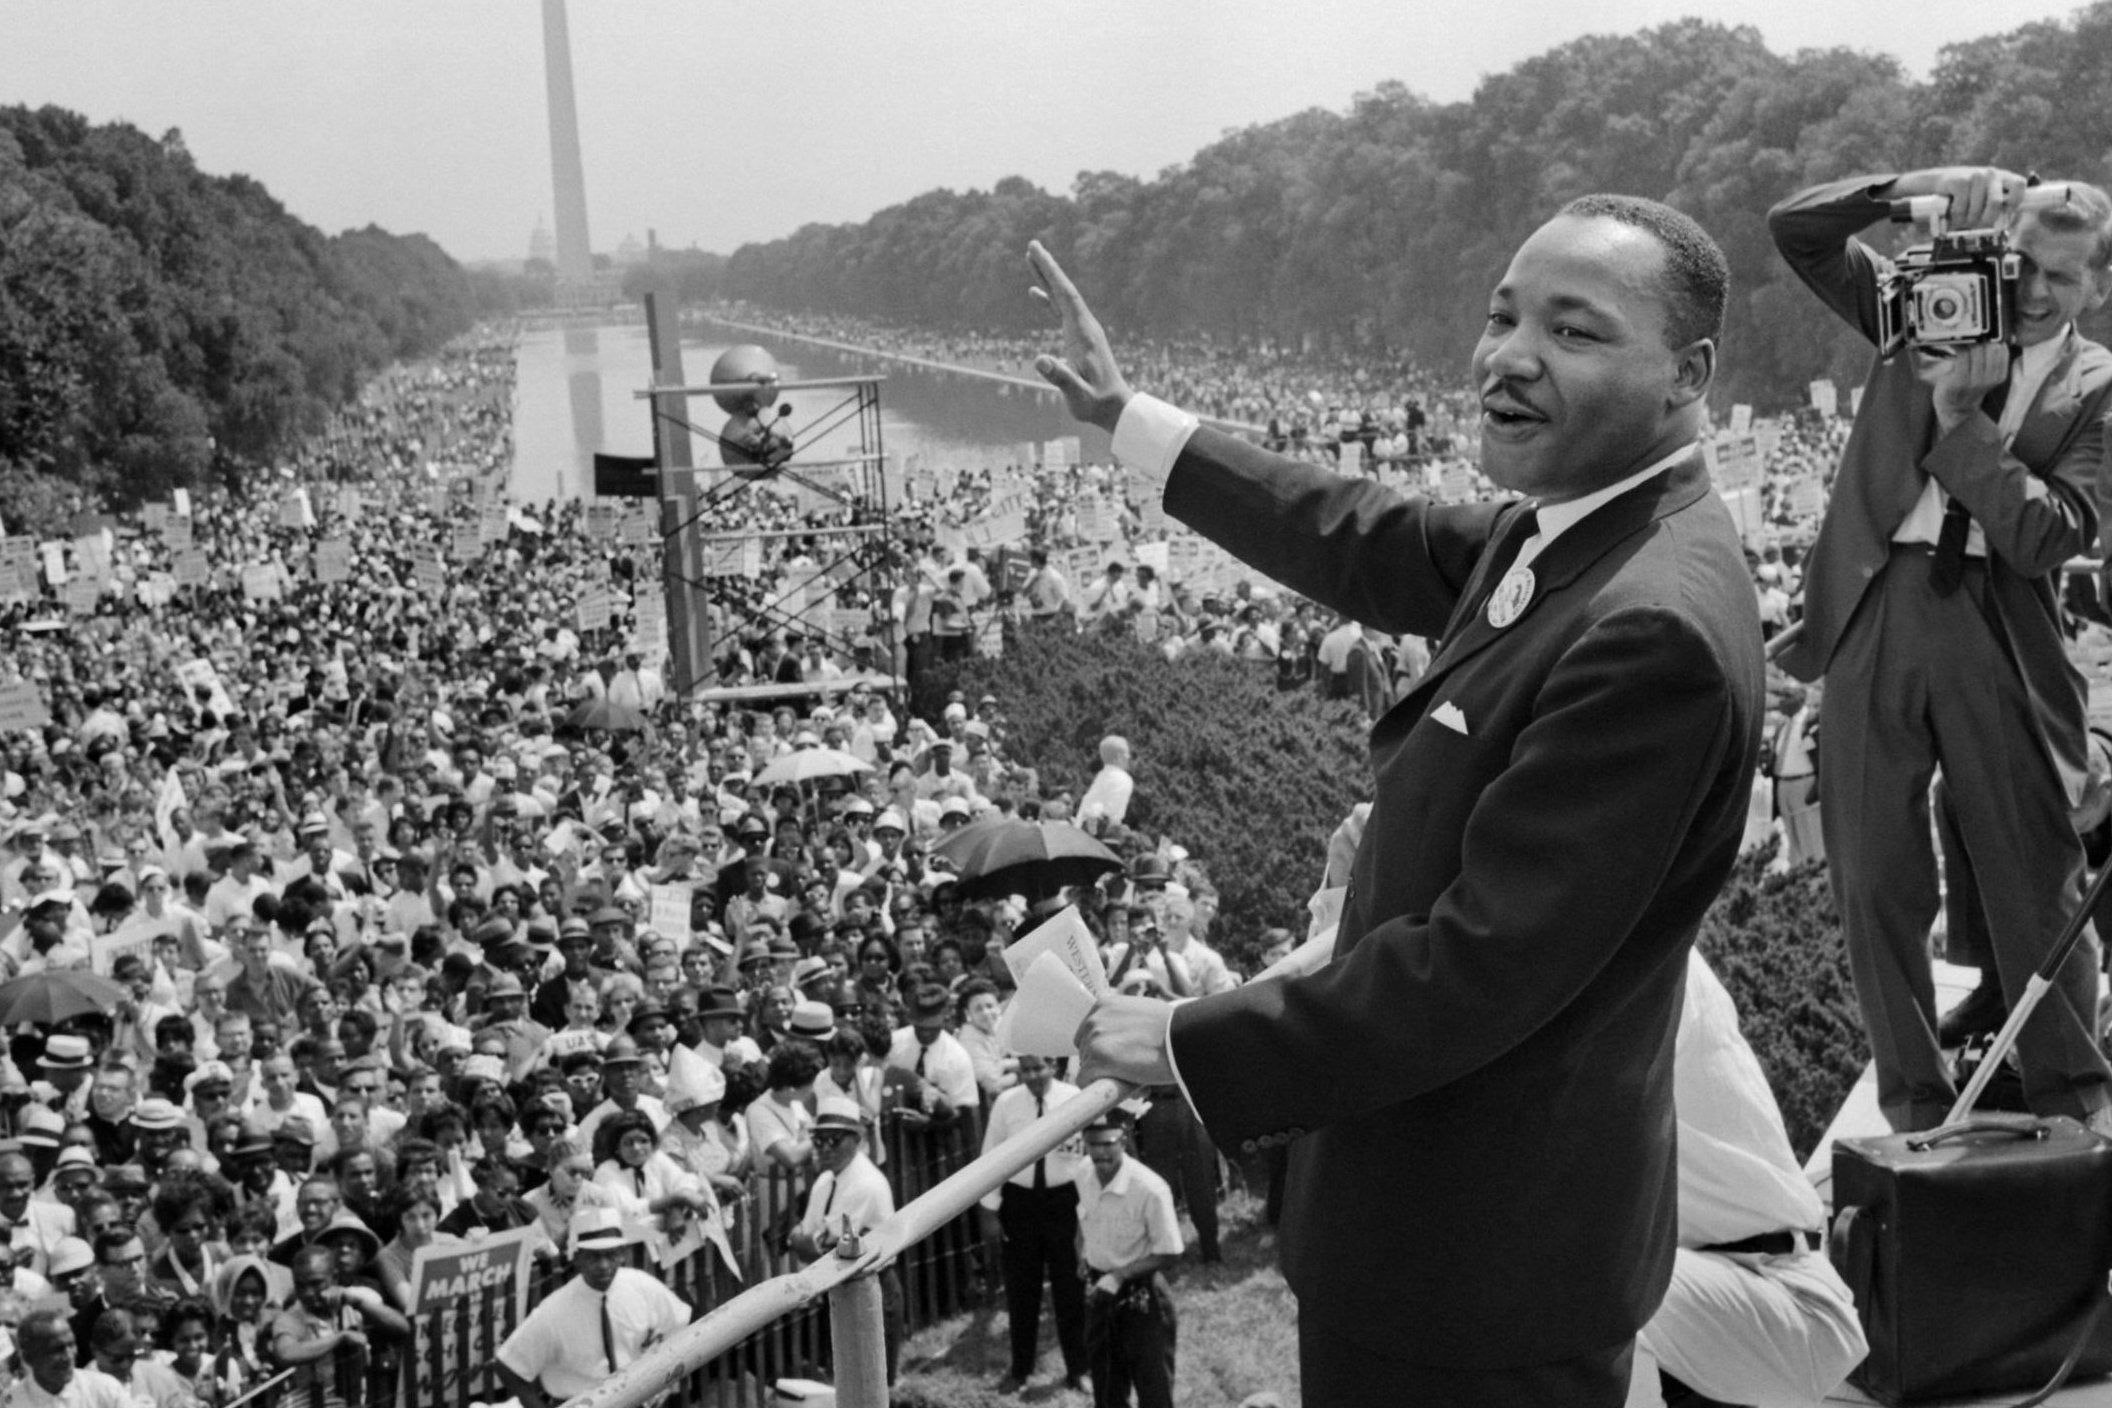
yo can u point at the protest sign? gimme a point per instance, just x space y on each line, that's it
333 560
17 583
465 543
91 556
1458 483
176 533
180 500
595 608
428 571
198 674
54 563
261 582
80 596
1825 397
601 520
105 949
189 567
491 523
1741 418
22 706
498 1260
668 915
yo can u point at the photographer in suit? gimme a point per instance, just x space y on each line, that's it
1477 1092
1930 608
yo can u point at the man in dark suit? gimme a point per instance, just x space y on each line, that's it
1477 1092
1930 607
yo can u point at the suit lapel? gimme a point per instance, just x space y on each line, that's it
2053 410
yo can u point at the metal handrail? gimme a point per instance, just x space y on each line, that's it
689 1349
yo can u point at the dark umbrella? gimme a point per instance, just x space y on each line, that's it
1005 855
602 714
55 996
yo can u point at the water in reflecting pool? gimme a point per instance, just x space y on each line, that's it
575 396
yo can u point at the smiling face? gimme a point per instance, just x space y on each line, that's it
1579 388
2057 284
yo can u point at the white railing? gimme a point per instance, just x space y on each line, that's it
849 1278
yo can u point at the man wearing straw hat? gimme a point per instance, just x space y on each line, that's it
850 1197
595 1324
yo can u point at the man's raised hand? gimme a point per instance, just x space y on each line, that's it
1086 374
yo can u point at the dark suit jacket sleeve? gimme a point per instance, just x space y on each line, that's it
1815 231
1360 550
1562 855
2033 522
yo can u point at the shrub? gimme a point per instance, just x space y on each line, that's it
1252 780
1775 940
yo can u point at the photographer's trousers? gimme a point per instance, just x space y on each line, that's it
1921 681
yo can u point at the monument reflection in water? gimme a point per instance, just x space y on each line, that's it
574 396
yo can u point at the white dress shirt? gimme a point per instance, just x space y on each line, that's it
1012 1112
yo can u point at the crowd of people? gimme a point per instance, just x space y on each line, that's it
381 922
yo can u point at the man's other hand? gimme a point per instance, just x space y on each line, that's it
1958 380
1086 374
1124 1038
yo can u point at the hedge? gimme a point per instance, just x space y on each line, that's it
1775 940
1253 780
1250 779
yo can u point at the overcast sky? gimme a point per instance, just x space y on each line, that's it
717 124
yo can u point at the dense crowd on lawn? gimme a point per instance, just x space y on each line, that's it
390 928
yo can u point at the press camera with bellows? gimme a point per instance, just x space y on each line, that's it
1961 287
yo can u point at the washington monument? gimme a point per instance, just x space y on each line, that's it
575 258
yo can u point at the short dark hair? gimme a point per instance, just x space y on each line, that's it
793 1063
1697 277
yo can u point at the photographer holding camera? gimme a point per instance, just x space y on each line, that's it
1930 600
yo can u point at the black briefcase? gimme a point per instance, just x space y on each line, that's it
1977 1253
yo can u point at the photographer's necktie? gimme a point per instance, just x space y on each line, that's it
1948 570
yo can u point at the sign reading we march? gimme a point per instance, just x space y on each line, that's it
440 1275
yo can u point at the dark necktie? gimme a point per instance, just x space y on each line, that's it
608 1334
922 1053
1948 570
1041 1165
1508 543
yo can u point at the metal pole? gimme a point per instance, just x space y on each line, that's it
681 555
857 1334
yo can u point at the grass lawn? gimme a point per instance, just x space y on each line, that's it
1238 1336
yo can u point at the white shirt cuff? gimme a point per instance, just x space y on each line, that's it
1150 437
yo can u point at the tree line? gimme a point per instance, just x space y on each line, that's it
1383 227
160 326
